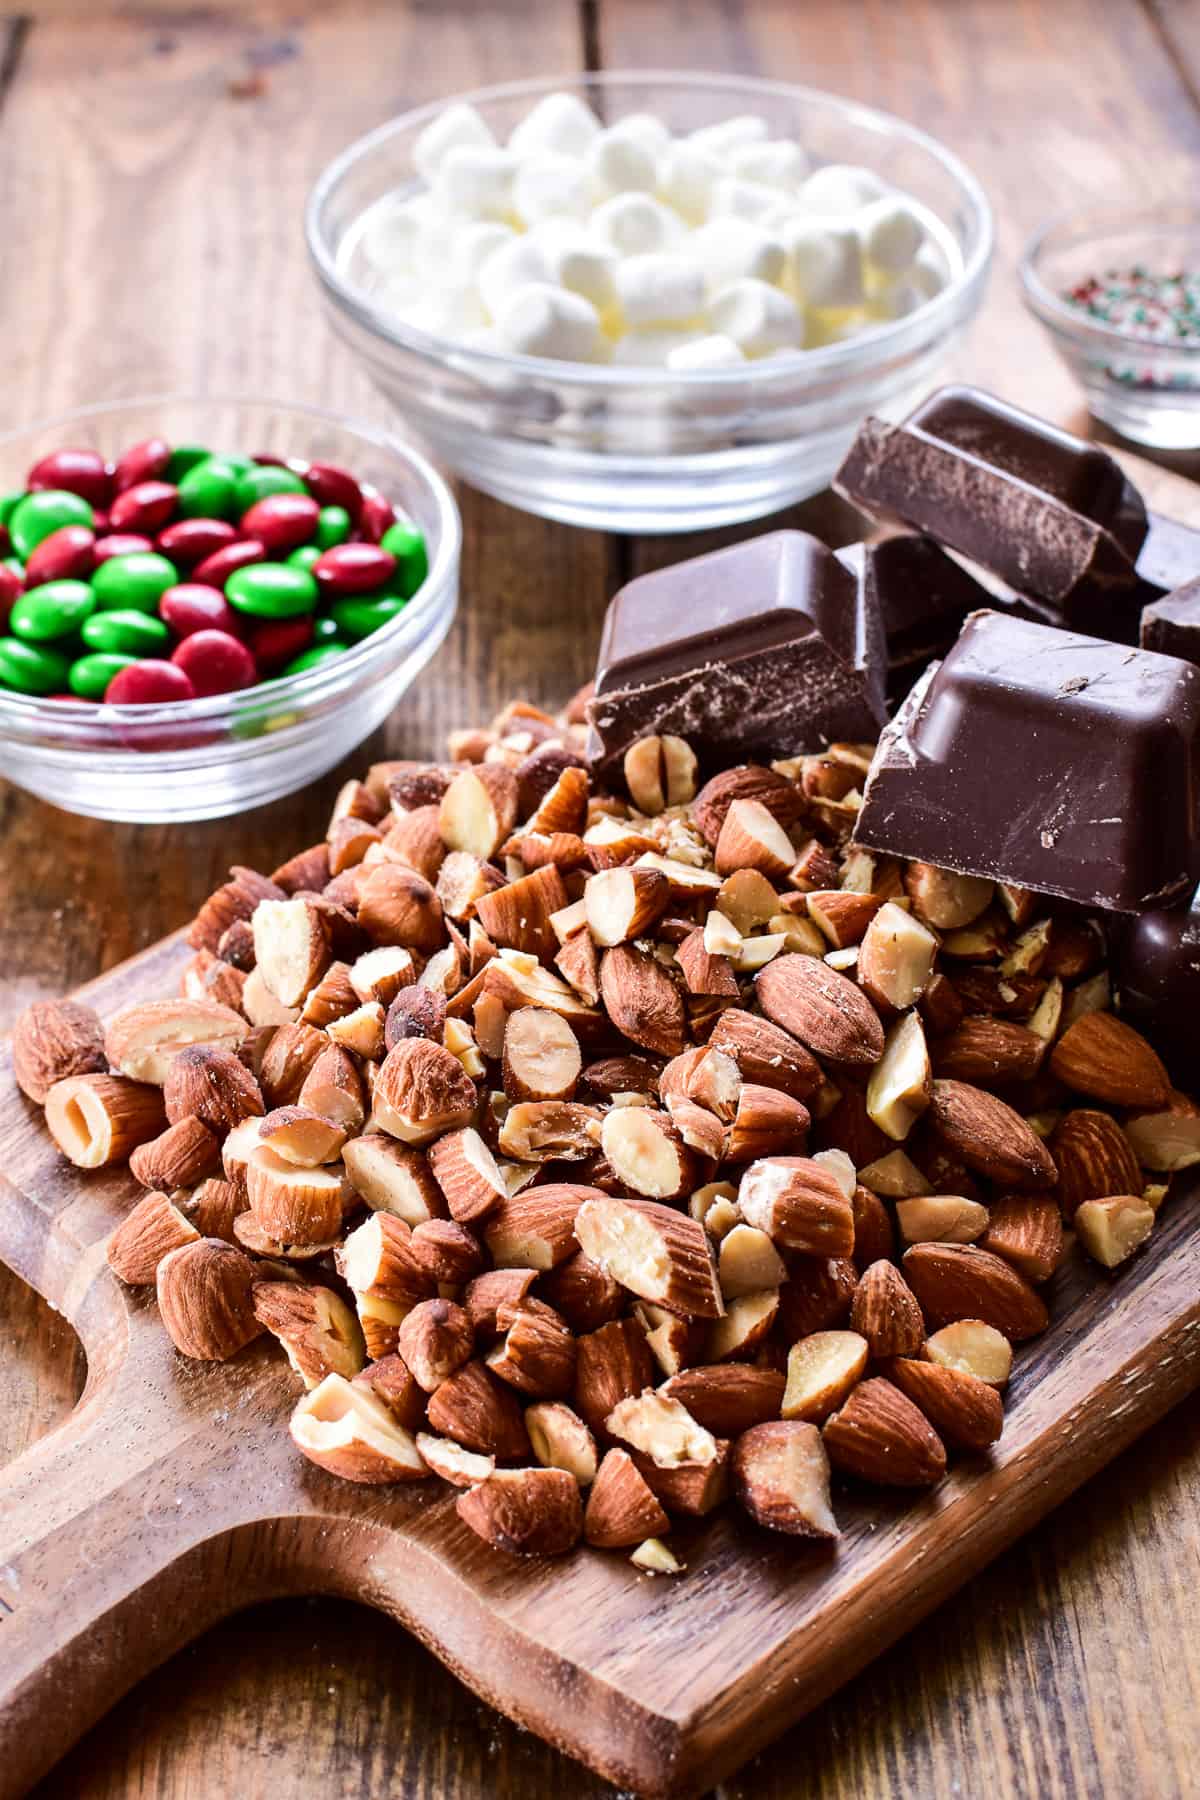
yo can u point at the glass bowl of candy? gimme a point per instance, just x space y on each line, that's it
648 302
1117 289
206 603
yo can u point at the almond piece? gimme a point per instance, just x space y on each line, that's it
989 1136
301 1137
207 978
342 1427
525 1512
624 903
1026 1230
1165 1141
541 1056
611 1365
782 799
461 1468
214 1208
621 1508
236 900
151 1231
211 1084
537 1353
462 881
655 1252
647 1152
486 1294
579 962
941 1219
53 1040
549 1131
1094 1157
642 1001
206 1299
748 1322
960 1281
518 916
1110 1230
842 916
305 873
184 1154
422 1091
901 1082
705 1076
751 838
885 1312
380 974
287 1062
895 958
561 1440
416 1012
479 809
142 1039
436 1339
822 1371
562 808
480 1413
989 1052
694 1489
536 1229
660 772
747 899
973 1347
765 1054
662 1429
705 971
821 1008
333 1090
799 1204
392 1178
415 839
963 1410
748 1262
465 1170
399 907
376 1259
816 1296
727 1398
315 1326
881 1437
390 1381
294 1205
1104 1058
767 1123
291 948
446 1251
945 899
97 1120
781 1478
519 980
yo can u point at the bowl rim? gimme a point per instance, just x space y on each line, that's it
1058 314
827 358
312 685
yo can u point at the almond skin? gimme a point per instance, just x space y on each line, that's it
206 1299
781 1477
53 1039
1026 1230
1104 1058
965 1411
960 1281
765 1054
642 1001
880 1436
526 1512
990 1136
479 1412
728 1398
621 1508
1094 1158
988 1052
821 1008
886 1312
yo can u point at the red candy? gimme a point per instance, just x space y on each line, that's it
119 543
376 515
276 641
215 663
282 521
189 607
216 569
12 586
189 541
82 472
353 569
331 486
146 507
146 461
149 683
68 552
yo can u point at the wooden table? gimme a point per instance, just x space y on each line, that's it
153 164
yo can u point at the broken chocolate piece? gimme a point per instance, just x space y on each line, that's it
1049 514
1156 966
923 597
1172 625
762 650
1046 759
1169 558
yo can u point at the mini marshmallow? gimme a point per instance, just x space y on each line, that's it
897 300
929 272
824 263
841 188
757 317
891 234
777 163
448 313
734 198
712 352
620 163
687 175
471 247
728 249
647 129
635 224
558 122
650 349
730 134
540 320
476 181
549 185
659 289
393 229
513 266
583 264
454 127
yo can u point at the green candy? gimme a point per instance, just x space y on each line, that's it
36 515
314 656
31 668
325 629
261 480
56 609
184 459
333 526
359 618
304 557
9 504
209 490
270 590
125 632
139 580
407 545
90 675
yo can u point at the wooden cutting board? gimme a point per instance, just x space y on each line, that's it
173 1496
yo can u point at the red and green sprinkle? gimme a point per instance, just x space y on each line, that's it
1162 308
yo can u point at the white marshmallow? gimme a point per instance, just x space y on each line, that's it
757 317
648 129
687 175
659 289
728 249
929 272
841 188
824 263
620 163
734 198
476 181
745 128
448 313
549 185
650 349
558 122
583 264
635 224
714 351
457 125
897 300
470 247
891 234
512 267
778 162
393 230
540 320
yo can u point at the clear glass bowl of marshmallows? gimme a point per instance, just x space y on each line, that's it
648 302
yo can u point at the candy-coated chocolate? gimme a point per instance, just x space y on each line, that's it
8 505
140 579
330 485
312 659
191 606
82 472
145 508
357 619
55 610
149 683
334 526
68 553
282 521
304 557
260 481
125 632
31 668
45 511
407 545
148 461
209 490
185 458
119 543
375 516
215 663
272 590
188 541
216 569
354 569
12 586
325 628
90 675
275 642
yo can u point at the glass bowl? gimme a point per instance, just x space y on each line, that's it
202 759
644 449
1148 391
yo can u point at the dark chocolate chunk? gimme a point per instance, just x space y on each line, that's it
762 650
1169 558
1172 625
923 597
1156 966
967 469
1048 759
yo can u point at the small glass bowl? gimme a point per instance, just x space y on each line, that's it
202 759
1147 391
646 449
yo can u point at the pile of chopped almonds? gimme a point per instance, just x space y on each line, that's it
603 1154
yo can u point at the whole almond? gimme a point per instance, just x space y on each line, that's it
990 1136
880 1436
821 1008
1094 1159
642 1001
960 1281
965 1411
53 1039
886 1313
1101 1056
